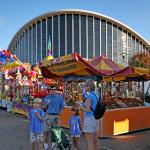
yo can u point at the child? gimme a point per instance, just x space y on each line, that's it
36 116
75 127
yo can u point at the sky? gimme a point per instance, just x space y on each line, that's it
15 13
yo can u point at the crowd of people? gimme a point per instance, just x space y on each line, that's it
46 115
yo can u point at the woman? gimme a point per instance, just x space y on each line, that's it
91 125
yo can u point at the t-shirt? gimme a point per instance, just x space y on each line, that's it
92 97
75 122
35 124
56 103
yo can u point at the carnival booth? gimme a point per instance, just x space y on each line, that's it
118 118
31 84
7 61
125 109
74 70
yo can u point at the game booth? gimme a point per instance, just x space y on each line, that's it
124 112
126 109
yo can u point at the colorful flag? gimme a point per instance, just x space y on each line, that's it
49 47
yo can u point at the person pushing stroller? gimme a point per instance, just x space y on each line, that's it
54 104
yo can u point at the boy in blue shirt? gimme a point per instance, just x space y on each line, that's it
75 127
36 116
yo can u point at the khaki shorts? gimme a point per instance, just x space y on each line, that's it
36 137
52 121
91 125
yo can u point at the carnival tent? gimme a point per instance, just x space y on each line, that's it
132 73
69 65
105 65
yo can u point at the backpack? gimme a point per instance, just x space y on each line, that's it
100 108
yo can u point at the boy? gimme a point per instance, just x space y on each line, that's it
36 116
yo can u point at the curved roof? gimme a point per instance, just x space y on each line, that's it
83 12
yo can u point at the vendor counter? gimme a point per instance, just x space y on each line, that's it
117 121
114 122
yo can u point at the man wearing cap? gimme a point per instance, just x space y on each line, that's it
54 103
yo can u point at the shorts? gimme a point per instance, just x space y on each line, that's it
76 136
52 121
91 125
36 137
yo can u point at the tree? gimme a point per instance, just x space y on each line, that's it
140 60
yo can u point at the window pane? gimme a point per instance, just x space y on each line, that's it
38 42
133 45
49 31
55 36
62 35
44 47
115 50
69 34
83 36
76 33
30 45
103 37
97 37
34 44
26 46
137 46
90 37
120 45
109 41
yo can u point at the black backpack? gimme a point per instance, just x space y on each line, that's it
100 108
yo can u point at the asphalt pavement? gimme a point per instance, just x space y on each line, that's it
14 135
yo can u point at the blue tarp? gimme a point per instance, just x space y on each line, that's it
70 78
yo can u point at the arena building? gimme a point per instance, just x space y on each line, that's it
89 33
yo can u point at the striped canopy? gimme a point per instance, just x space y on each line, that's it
132 73
105 65
68 65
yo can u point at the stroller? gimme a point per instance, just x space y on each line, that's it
59 139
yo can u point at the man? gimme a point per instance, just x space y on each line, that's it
54 103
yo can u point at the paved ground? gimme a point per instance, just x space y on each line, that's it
14 133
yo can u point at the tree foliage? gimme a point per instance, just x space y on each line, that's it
140 60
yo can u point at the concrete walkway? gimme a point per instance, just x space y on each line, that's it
14 135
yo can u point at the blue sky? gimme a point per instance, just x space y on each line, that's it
15 13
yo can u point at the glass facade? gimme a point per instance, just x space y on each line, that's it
120 45
49 32
97 37
103 38
109 40
23 47
83 36
38 41
69 33
34 44
133 45
90 37
62 35
55 36
76 33
26 46
115 48
86 34
44 45
130 51
137 46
